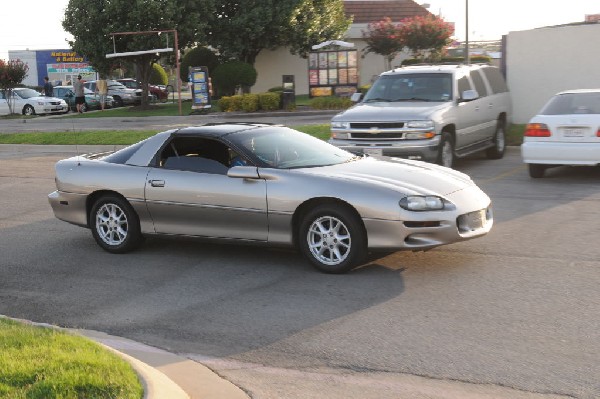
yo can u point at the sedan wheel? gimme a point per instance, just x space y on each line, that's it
332 239
115 225
28 110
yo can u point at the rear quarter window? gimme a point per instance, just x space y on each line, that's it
495 79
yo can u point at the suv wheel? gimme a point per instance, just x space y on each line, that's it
446 151
497 151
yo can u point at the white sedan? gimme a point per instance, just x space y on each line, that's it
30 102
565 132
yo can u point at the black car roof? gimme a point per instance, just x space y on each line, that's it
221 129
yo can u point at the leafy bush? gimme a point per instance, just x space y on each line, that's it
199 56
330 102
364 88
275 89
250 102
158 75
269 101
228 76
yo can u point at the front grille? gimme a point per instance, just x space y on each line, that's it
376 135
376 125
54 102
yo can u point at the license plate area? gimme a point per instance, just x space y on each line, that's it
472 221
373 151
573 132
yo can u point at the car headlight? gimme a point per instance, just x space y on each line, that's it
422 203
419 135
420 124
340 125
42 103
340 136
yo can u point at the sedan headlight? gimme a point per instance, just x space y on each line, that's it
422 203
340 125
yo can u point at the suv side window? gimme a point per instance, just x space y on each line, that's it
479 83
495 79
463 84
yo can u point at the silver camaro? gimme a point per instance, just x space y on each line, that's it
268 184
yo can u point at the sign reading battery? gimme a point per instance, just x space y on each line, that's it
200 87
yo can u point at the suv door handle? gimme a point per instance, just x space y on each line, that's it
157 183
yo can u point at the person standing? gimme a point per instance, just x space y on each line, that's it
102 90
79 95
48 89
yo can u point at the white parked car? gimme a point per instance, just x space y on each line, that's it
30 102
565 132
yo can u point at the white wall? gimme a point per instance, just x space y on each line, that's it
28 57
542 62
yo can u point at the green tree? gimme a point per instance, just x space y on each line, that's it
241 29
12 73
426 36
229 76
91 23
383 38
158 75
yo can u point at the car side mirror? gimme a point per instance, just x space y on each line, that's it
469 95
243 172
356 97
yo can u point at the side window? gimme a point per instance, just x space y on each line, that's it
463 84
495 79
479 83
197 154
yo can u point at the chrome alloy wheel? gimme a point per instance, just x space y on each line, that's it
111 224
329 240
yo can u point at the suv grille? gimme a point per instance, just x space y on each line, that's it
376 135
377 125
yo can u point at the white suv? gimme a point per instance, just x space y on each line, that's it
433 113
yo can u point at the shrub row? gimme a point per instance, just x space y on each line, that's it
331 102
250 102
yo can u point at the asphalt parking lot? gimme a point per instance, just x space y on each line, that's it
510 315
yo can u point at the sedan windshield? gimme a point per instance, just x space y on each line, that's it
285 148
411 87
27 93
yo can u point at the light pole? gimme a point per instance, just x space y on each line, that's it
467 60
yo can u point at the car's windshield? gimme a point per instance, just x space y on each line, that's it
285 148
411 87
573 103
27 93
87 91
113 85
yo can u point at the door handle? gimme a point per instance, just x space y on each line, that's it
157 183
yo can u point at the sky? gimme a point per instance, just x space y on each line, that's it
38 26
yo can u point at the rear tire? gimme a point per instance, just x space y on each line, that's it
536 170
332 238
446 151
115 225
497 151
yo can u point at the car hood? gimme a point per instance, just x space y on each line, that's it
402 175
44 99
385 111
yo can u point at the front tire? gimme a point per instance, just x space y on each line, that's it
446 152
28 110
536 170
115 225
332 238
497 151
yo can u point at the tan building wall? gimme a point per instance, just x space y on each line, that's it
544 61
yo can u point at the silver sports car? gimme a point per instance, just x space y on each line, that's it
272 185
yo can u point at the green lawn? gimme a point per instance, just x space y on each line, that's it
42 363
514 136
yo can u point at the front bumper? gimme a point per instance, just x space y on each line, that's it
423 150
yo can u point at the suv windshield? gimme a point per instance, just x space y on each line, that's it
411 87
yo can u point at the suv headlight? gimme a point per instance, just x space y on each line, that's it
340 125
422 203
420 124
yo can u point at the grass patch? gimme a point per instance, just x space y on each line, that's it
41 363
514 136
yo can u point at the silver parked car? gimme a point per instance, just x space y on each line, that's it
433 113
268 184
